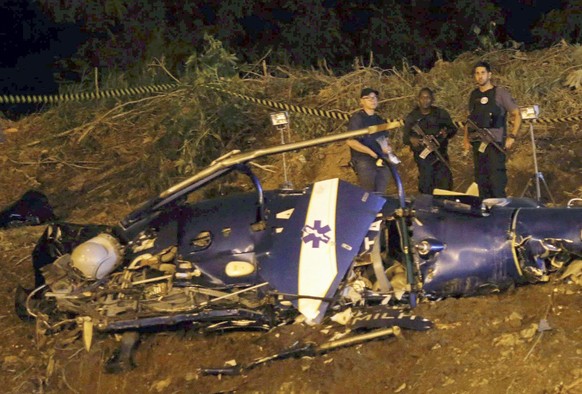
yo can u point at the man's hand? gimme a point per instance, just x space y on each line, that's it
415 142
466 145
442 133
509 143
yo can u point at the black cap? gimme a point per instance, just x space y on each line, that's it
366 91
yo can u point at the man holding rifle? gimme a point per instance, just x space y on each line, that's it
366 151
427 130
486 132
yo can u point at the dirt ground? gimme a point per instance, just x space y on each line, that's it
487 344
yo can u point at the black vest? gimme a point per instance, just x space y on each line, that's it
484 110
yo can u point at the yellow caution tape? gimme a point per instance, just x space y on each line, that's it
565 119
52 99
56 98
295 108
344 116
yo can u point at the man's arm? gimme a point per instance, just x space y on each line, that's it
406 130
446 123
466 143
408 137
513 110
516 125
358 146
355 123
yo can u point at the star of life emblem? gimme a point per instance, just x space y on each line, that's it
316 234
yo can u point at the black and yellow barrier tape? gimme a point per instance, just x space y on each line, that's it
52 99
57 98
565 119
345 116
286 107
295 108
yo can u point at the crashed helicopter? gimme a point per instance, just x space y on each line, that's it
261 258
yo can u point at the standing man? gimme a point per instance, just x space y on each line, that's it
373 175
438 128
488 108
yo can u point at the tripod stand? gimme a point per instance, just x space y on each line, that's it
537 176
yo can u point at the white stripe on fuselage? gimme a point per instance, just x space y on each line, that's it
318 266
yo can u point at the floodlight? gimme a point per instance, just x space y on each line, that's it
529 112
280 118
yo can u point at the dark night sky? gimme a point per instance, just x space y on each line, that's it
520 15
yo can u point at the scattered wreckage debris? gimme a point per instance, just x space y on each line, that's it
32 209
573 272
305 350
122 359
382 320
379 316
261 259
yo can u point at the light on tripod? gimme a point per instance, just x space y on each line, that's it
280 118
281 121
529 112
532 112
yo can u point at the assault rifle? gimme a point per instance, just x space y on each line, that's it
431 144
485 136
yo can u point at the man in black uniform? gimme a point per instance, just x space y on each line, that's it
488 108
433 121
373 175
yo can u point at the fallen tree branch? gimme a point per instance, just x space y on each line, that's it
95 122
56 161
160 64
267 167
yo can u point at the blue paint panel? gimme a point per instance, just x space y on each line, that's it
478 251
280 266
353 218
235 212
556 223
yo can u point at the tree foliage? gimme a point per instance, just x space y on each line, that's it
564 23
123 34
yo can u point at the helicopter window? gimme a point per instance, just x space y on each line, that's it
201 241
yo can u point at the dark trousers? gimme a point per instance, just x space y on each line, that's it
490 171
433 174
371 177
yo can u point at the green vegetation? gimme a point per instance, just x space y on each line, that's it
123 35
127 149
